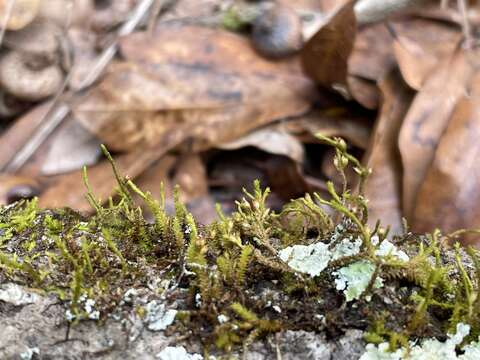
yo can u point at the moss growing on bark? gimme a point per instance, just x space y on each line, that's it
250 274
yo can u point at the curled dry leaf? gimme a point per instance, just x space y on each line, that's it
428 118
272 140
371 59
419 52
18 13
325 55
190 82
334 122
372 56
383 187
449 198
364 91
414 62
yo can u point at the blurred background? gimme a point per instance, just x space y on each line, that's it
213 94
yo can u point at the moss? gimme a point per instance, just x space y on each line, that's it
235 280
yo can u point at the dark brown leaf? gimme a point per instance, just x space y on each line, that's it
325 55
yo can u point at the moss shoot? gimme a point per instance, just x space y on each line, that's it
251 274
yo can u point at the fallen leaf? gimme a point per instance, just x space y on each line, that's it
325 55
372 55
354 128
272 140
419 52
428 118
68 189
364 91
383 187
202 84
448 197
414 62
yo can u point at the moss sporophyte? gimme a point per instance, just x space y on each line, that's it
252 273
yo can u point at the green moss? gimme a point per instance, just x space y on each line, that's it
241 278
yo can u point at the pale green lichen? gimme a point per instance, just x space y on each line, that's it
430 349
313 259
354 279
16 295
177 353
158 317
386 248
30 353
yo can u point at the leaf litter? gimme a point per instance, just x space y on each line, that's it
188 101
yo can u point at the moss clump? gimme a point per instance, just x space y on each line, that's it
238 279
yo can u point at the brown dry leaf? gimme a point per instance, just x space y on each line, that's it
449 198
199 83
287 178
420 45
334 122
428 118
372 56
69 190
325 55
371 59
383 187
414 62
273 140
364 91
